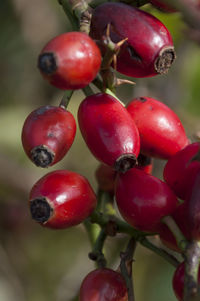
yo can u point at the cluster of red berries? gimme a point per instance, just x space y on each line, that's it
123 139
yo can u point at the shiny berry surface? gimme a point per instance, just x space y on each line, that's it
161 132
61 199
143 200
103 285
70 60
178 281
148 50
180 172
109 131
48 134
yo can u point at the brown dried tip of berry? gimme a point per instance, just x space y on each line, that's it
164 60
125 162
40 210
42 156
47 63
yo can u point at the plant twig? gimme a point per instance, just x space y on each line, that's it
126 267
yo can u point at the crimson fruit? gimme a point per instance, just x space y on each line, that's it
105 176
143 200
61 199
180 171
161 131
178 281
103 285
109 131
149 49
47 134
70 61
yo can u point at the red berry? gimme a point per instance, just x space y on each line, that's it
61 199
161 131
180 172
143 200
105 176
47 135
109 131
178 281
149 49
103 285
70 61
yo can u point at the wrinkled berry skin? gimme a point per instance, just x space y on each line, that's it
70 61
149 49
180 173
108 129
61 199
51 129
178 281
143 200
161 132
103 285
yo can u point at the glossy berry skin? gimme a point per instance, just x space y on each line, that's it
143 200
61 199
180 173
109 131
178 281
48 133
103 285
149 49
70 61
161 132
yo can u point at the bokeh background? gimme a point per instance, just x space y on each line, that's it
41 264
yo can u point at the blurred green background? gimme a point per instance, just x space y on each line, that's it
41 264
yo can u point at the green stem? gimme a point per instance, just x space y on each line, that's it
192 257
92 230
68 11
108 91
180 238
88 91
66 99
126 267
160 252
97 252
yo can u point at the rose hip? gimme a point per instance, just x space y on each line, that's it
149 48
109 131
61 199
161 131
70 61
143 200
180 171
103 285
47 135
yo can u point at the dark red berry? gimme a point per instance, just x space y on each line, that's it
47 135
143 200
105 176
70 60
180 171
109 131
178 281
149 49
61 199
103 285
161 132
